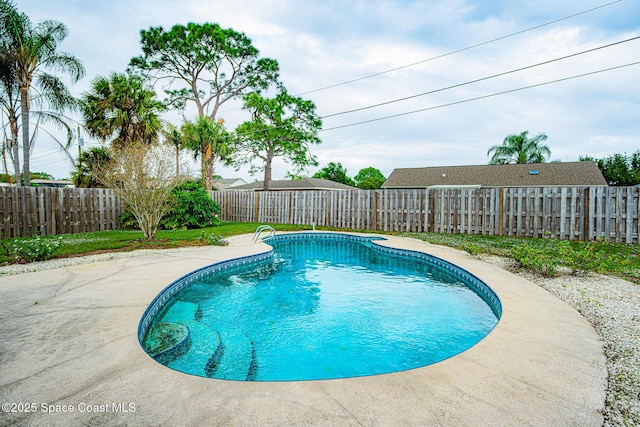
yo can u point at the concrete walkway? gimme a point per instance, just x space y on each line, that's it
69 355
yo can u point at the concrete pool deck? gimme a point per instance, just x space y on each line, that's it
69 355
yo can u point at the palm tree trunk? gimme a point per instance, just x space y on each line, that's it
15 149
15 153
26 149
207 172
177 161
4 160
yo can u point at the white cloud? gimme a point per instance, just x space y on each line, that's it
321 43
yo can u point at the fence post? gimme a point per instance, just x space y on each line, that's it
374 220
501 213
586 211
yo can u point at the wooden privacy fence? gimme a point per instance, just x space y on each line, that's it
30 211
567 213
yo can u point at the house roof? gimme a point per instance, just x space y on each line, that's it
297 184
512 175
52 182
228 183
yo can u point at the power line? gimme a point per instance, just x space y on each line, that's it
480 79
459 50
452 52
482 97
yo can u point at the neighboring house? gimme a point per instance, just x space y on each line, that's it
557 174
57 183
297 184
228 183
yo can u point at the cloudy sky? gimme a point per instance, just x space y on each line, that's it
326 48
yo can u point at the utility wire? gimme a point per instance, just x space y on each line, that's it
464 100
482 97
460 50
480 79
452 52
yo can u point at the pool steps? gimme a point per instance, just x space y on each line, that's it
236 360
205 356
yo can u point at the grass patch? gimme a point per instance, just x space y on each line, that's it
128 240
545 256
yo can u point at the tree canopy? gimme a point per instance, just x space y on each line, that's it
283 126
27 51
335 172
204 64
209 141
122 108
369 179
520 148
619 169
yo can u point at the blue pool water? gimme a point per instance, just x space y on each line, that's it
319 307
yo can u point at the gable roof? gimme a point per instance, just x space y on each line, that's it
560 174
228 183
297 184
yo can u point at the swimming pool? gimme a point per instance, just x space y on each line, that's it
319 306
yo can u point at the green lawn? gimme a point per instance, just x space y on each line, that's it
128 240
545 256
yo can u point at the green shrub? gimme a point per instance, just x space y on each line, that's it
541 262
215 240
472 248
599 256
38 249
128 221
194 208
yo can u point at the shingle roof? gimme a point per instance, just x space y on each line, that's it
228 183
513 175
297 184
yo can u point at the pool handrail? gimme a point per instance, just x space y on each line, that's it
262 228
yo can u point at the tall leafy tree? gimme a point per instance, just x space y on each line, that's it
283 126
123 108
618 169
369 179
334 172
520 148
204 64
31 50
209 141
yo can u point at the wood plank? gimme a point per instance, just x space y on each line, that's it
628 234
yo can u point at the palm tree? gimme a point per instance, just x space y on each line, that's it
10 104
29 50
208 140
95 158
519 148
122 107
